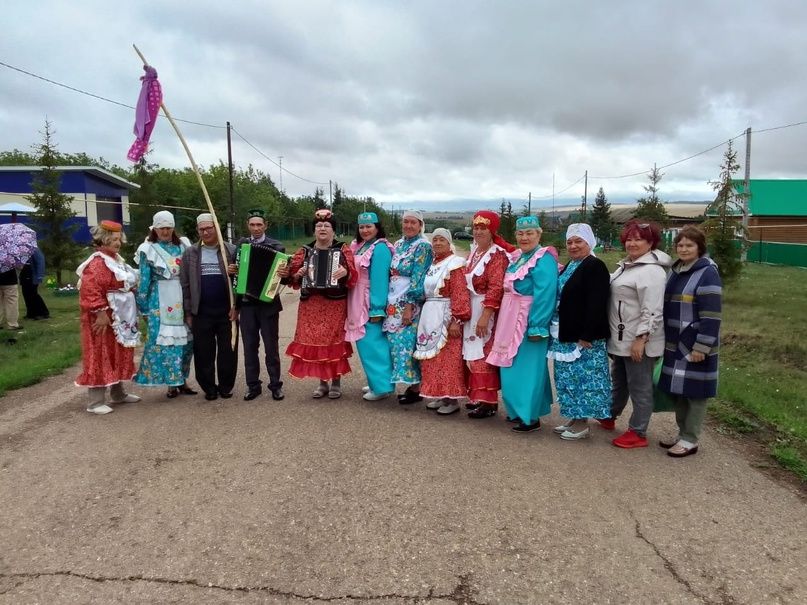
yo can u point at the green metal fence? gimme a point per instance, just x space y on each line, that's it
794 255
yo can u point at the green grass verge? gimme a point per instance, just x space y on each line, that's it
42 348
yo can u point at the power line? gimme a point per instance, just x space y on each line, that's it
286 170
546 197
95 96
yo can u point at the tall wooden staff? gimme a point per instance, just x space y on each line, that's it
198 174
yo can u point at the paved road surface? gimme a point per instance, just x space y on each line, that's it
186 501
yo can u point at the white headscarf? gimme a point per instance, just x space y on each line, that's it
584 232
418 215
442 232
163 218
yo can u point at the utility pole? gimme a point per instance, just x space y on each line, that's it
585 197
230 172
280 165
330 193
747 191
529 203
553 200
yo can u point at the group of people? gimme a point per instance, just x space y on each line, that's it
450 330
28 278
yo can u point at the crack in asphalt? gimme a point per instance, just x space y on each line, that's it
462 594
725 598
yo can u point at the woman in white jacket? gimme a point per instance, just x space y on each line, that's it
637 330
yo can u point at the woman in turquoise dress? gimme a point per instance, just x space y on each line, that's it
167 354
521 339
410 262
367 305
580 332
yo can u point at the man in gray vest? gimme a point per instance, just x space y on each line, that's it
260 320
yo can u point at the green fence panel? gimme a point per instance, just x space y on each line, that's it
794 255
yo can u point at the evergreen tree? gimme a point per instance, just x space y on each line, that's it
319 199
722 229
650 206
53 211
600 218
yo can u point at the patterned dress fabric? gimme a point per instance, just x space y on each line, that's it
444 375
319 349
105 362
483 378
160 365
582 376
412 258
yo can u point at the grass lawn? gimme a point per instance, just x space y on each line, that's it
43 348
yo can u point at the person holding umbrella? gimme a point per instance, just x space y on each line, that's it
17 245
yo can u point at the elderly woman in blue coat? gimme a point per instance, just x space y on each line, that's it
692 306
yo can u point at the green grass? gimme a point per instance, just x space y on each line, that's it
43 348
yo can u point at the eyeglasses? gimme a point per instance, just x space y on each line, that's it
206 229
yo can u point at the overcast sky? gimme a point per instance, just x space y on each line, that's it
417 101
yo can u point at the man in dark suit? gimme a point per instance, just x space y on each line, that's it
260 320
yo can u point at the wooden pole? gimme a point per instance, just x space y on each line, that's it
222 248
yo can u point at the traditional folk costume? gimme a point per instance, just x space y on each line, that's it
582 375
447 300
367 300
167 354
319 349
106 285
530 290
484 274
411 260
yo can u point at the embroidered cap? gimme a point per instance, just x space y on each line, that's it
111 226
256 213
528 222
366 218
205 217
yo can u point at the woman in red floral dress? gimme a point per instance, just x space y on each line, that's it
319 349
484 273
109 325
439 335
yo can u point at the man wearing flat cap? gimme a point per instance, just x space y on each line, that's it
208 312
260 320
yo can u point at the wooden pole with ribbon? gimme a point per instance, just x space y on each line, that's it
198 174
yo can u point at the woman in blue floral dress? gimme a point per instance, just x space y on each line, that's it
410 262
167 355
579 331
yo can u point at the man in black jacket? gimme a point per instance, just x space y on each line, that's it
260 320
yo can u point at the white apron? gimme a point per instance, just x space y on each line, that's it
435 315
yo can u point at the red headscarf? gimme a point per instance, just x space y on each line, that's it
491 220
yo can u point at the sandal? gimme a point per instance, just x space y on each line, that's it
172 392
335 392
682 449
320 391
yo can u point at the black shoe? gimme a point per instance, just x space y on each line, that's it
252 394
409 397
211 396
172 392
225 395
277 393
484 410
526 428
472 405
186 390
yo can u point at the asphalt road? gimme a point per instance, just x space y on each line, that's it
186 501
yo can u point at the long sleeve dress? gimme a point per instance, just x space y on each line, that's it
530 291
167 353
367 301
485 276
447 299
412 258
319 349
105 360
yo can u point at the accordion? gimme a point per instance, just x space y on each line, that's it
257 275
320 266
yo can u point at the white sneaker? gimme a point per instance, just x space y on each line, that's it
100 409
571 436
562 428
435 404
371 396
449 408
128 399
365 389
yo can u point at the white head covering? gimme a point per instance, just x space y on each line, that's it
163 218
205 217
442 232
584 232
418 215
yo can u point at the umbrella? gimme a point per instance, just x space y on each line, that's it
17 244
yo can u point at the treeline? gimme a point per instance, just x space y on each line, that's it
178 190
